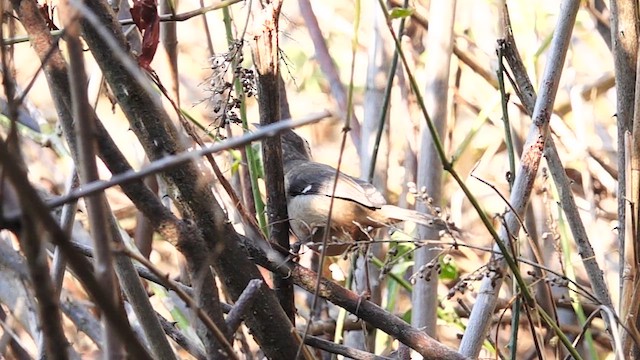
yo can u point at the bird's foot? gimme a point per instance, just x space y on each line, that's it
294 251
364 296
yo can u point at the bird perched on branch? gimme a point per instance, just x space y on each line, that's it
357 204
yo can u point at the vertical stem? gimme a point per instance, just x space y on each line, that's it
328 67
480 318
515 308
383 114
439 48
251 192
624 34
169 39
265 57
87 169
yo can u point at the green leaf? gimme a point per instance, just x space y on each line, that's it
398 13
401 267
236 161
257 155
407 316
448 268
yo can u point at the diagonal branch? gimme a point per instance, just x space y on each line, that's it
128 176
328 67
97 207
352 302
479 320
192 195
25 190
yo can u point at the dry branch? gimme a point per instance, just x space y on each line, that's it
265 48
430 170
25 190
479 321
218 244
624 35
97 207
328 67
352 302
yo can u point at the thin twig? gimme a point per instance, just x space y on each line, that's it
189 14
88 172
237 313
338 349
328 67
176 335
352 302
171 161
191 303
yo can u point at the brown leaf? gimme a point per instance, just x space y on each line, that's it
48 16
145 16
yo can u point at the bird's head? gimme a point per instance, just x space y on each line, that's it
294 147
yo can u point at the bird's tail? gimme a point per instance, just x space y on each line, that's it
400 214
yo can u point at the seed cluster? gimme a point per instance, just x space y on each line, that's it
225 100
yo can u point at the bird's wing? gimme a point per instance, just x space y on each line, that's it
310 178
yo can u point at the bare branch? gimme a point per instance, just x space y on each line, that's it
529 163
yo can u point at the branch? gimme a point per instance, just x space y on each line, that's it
561 181
97 206
439 46
191 303
362 308
169 162
25 190
479 321
192 195
329 69
265 56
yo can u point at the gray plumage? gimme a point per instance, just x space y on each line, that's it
357 203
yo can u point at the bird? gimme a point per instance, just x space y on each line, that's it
357 204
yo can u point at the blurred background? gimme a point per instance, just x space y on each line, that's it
359 51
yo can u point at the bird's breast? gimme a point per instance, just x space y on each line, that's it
311 211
